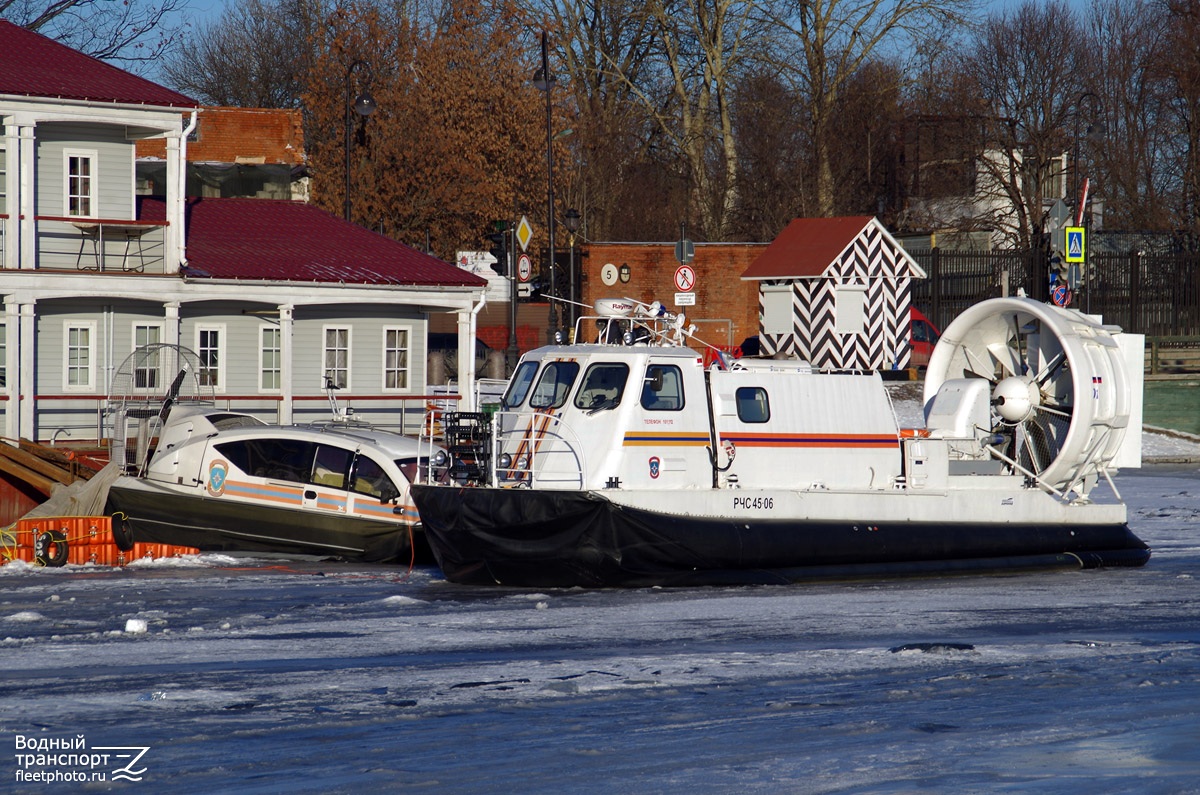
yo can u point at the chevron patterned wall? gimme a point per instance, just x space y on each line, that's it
874 264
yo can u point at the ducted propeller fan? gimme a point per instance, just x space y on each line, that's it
1060 394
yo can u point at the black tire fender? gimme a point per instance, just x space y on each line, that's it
50 548
122 533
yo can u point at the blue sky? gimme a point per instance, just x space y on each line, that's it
204 11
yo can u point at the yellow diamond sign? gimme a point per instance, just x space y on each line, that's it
524 233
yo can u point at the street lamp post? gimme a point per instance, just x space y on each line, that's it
571 221
1091 128
364 105
1081 219
544 81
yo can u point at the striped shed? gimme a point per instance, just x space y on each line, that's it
836 292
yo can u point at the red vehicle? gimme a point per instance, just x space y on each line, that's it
924 336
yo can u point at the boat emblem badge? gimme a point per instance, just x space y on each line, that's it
216 477
655 466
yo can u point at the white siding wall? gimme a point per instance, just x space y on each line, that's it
114 167
113 321
366 347
59 242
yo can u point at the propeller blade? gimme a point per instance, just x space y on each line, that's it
978 367
1021 358
1003 354
1051 368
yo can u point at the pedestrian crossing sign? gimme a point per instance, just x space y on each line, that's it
1076 244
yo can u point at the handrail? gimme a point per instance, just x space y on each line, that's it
83 219
540 447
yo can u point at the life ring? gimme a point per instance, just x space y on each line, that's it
50 549
122 533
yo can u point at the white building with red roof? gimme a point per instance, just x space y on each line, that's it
274 296
836 292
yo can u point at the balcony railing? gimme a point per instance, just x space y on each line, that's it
101 244
87 417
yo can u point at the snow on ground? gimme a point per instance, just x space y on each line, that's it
264 676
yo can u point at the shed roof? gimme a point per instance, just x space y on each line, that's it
269 240
33 65
808 246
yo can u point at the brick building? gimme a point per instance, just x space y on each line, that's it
726 308
235 152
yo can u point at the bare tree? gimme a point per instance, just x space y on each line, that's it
1182 67
255 55
133 33
864 147
1025 71
1122 125
823 44
683 85
772 141
458 137
614 167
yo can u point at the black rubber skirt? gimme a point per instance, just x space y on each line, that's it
560 539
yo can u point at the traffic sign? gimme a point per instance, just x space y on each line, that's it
685 251
685 299
524 268
1076 244
685 279
1061 296
524 233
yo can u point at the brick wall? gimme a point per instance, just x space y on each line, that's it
492 324
720 292
240 135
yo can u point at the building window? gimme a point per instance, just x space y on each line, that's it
337 356
850 309
1054 178
395 357
79 358
209 340
147 366
777 308
270 369
80 171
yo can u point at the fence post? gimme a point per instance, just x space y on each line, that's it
935 276
1135 289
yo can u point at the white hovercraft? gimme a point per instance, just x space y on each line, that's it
629 463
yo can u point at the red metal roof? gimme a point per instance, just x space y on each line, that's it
35 66
807 247
269 240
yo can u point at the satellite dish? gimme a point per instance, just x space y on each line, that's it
614 307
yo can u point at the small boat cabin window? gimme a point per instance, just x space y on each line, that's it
411 468
752 404
331 466
663 388
602 387
518 388
554 385
369 478
277 459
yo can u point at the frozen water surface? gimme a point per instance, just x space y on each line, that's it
274 676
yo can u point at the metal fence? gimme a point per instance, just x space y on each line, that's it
1146 293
